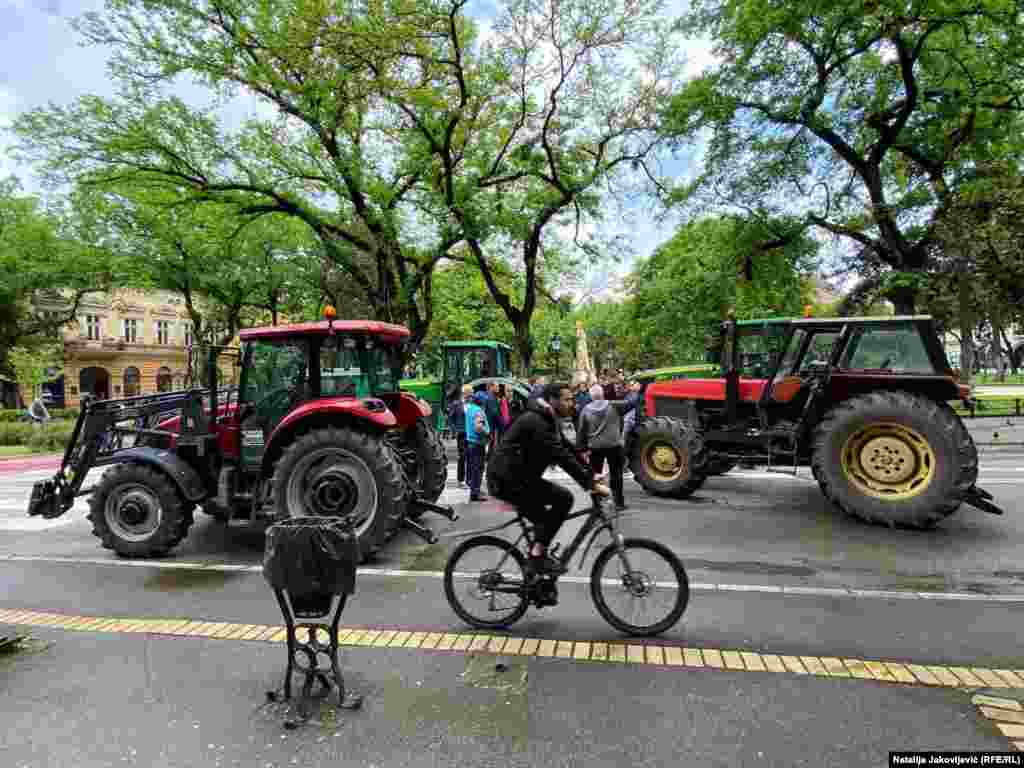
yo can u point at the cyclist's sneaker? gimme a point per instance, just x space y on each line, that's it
545 565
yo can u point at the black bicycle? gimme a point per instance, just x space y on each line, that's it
487 583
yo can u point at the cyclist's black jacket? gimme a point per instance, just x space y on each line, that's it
529 446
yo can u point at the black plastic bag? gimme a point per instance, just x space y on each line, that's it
309 556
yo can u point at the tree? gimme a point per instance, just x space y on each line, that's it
686 288
45 250
36 365
398 135
864 119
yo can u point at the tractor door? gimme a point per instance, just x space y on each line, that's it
275 379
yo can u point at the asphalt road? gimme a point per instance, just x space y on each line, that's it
775 571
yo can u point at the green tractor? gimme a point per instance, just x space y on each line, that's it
465 362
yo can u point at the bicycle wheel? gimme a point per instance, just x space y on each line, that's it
480 593
648 597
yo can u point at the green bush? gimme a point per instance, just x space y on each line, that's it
11 415
14 433
51 437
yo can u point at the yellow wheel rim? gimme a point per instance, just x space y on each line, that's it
663 462
889 461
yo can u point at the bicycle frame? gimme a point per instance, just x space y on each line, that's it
597 521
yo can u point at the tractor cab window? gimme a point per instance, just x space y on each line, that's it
893 347
341 372
789 357
819 352
382 364
757 349
275 374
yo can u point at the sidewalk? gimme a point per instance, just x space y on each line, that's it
93 699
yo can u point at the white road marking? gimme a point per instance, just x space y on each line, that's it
834 592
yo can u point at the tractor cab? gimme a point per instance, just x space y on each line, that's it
468 361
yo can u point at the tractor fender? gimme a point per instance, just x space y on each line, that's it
171 464
368 410
407 408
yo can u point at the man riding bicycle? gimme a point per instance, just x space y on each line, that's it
515 471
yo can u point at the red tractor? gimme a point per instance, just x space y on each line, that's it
317 426
864 402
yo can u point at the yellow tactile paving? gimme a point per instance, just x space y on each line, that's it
1011 731
674 656
995 701
794 665
712 658
814 666
1003 715
692 658
1012 712
754 661
732 660
991 679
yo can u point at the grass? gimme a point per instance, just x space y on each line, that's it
990 378
10 451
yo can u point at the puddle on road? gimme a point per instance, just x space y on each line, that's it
429 557
174 579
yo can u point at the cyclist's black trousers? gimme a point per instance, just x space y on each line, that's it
543 503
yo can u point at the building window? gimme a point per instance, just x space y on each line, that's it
131 330
131 381
92 327
163 331
163 379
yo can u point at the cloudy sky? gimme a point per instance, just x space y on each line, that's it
42 61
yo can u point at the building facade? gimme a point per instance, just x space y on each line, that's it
128 342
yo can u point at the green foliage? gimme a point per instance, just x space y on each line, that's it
50 437
12 433
863 121
33 367
687 287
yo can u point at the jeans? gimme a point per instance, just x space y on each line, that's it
460 442
614 457
543 503
474 467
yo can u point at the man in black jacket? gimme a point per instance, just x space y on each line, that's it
457 424
516 469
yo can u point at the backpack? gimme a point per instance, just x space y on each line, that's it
480 423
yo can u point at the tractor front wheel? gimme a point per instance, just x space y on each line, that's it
137 511
665 455
895 458
342 473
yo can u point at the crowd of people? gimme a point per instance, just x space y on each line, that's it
597 428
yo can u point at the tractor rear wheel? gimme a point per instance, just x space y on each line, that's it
336 472
665 455
425 462
137 511
895 458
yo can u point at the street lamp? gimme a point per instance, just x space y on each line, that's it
556 347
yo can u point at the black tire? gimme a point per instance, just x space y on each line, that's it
641 585
857 472
137 511
518 601
427 468
678 476
364 481
718 465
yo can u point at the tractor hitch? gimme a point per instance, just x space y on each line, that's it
420 530
422 505
982 500
425 506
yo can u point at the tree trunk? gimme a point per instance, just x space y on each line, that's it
524 346
902 298
997 352
966 328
